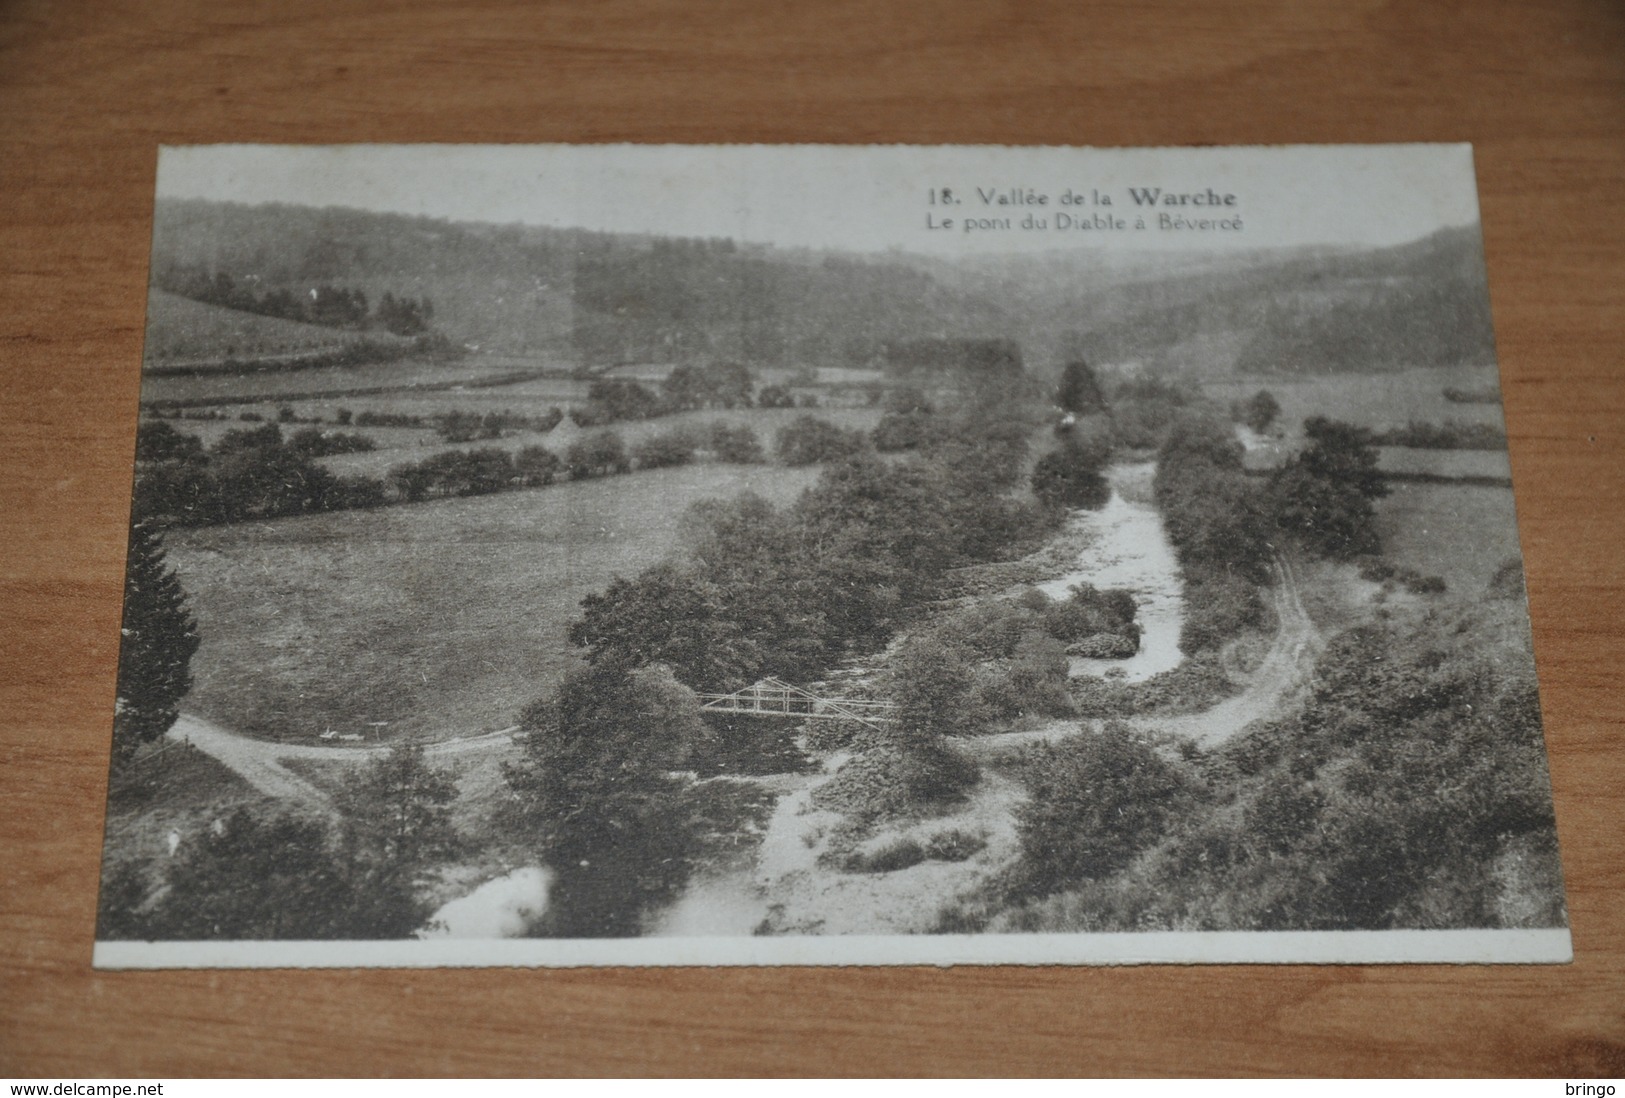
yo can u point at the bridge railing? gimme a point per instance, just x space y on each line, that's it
772 697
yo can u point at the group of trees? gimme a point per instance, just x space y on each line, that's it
1071 475
762 591
785 592
1410 791
324 304
599 795
459 426
258 473
1323 497
248 474
1258 411
1226 526
251 875
686 388
813 441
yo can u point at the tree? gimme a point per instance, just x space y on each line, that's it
1097 801
755 558
810 440
671 616
932 684
245 878
597 455
156 440
596 796
395 825
895 518
736 445
1079 391
1259 412
536 466
1323 495
666 449
1342 453
159 639
1070 477
775 396
933 687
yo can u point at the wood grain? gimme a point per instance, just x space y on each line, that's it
87 93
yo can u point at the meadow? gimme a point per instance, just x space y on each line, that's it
1463 532
316 383
440 618
1378 401
179 328
1455 464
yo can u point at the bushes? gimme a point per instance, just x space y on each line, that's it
598 455
1145 412
1070 476
775 396
907 431
907 852
1218 607
536 466
369 418
1097 801
994 630
735 445
313 443
1322 497
1032 683
1219 524
812 441
664 450
1194 685
456 473
1087 613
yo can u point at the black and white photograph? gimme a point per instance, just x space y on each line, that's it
710 555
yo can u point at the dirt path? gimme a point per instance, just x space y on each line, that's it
259 762
1285 666
1290 656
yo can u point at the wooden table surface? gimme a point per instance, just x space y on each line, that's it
87 93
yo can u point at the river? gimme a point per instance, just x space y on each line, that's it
500 908
1126 547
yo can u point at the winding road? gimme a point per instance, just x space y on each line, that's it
259 762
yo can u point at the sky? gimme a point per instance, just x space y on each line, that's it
870 198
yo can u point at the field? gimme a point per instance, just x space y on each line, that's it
1378 401
179 328
1458 531
440 618
318 383
1486 464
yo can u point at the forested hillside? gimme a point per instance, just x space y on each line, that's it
596 298
601 298
1293 311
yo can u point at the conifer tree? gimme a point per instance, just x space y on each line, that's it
159 639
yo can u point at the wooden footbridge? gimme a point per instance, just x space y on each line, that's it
777 698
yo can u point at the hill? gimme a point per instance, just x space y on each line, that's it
1293 311
600 299
181 331
595 298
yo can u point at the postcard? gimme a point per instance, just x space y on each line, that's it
662 555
